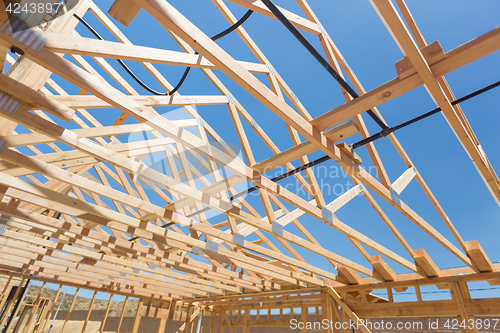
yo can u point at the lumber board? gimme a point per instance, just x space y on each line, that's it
124 11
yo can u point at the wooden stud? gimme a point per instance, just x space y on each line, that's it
137 318
52 308
70 310
89 312
122 315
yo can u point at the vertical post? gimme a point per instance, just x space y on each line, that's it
52 309
171 309
345 316
246 318
419 294
325 311
390 296
161 327
304 314
212 322
137 319
121 316
220 328
460 292
106 314
163 320
70 310
88 313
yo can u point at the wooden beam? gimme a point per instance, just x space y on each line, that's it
348 151
120 321
3 55
152 229
186 265
336 134
405 280
34 99
459 295
400 184
94 132
124 11
297 21
137 318
89 312
351 275
106 313
114 50
70 310
381 267
441 308
478 256
425 262
432 54
93 102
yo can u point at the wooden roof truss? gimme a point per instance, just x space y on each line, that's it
64 224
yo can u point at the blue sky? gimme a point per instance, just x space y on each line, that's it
371 53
